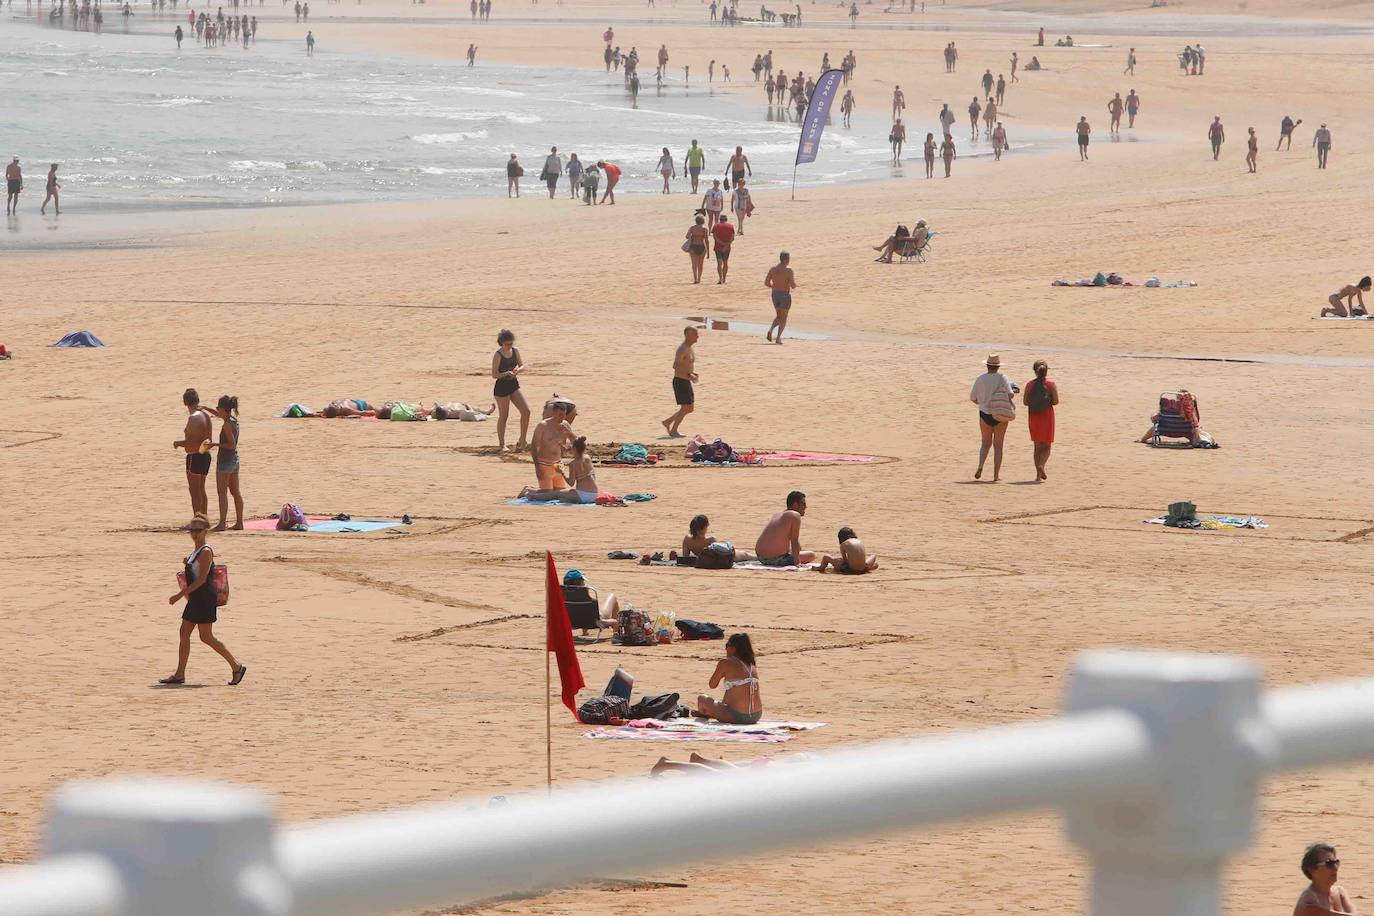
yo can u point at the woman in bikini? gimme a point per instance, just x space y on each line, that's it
696 247
1350 293
737 673
227 460
580 472
506 366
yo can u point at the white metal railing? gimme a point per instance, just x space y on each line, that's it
1155 765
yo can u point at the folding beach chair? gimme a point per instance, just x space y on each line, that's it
584 608
1179 417
910 251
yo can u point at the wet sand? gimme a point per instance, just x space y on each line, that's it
381 672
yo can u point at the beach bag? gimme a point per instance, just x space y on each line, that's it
601 710
1039 399
720 555
295 411
686 244
692 629
636 629
1179 513
403 412
660 706
1100 279
291 518
1000 405
219 580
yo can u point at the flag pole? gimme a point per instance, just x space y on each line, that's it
794 181
548 724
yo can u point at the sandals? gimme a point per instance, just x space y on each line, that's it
172 679
239 672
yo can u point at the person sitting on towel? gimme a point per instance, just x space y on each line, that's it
780 542
738 674
580 472
457 410
698 540
853 560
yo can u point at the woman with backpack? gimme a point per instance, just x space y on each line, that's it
737 673
1040 397
202 603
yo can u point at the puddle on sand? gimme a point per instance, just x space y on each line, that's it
748 327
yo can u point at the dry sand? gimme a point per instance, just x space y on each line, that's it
368 686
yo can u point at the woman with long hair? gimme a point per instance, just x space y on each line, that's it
580 472
738 674
696 247
506 367
201 606
227 460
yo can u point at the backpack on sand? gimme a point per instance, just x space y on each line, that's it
291 518
720 555
662 706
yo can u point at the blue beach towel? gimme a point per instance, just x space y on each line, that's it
542 502
337 527
79 339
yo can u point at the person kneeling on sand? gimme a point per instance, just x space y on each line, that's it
852 560
1350 293
737 673
580 472
457 410
546 446
780 542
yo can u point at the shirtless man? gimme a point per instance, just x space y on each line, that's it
1132 106
898 103
1114 108
14 183
1014 61
1323 896
780 542
1217 134
852 559
684 374
546 447
898 137
1084 130
738 165
196 444
781 281
974 109
1350 293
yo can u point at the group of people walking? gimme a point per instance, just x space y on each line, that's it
995 396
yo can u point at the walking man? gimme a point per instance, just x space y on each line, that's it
1252 152
1321 140
14 183
694 162
684 374
781 281
1084 130
1217 134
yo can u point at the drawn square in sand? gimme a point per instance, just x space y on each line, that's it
1127 518
13 438
526 633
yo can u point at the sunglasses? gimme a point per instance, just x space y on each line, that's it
1331 863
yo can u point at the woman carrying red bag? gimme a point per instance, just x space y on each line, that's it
202 604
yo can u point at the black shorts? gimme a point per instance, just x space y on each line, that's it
682 392
198 463
1082 139
14 185
722 254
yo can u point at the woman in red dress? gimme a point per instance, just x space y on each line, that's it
1040 397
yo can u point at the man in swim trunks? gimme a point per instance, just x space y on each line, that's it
1114 107
1217 134
196 444
853 560
694 162
1132 106
684 374
723 234
781 281
546 447
738 165
14 183
1350 293
1084 130
780 542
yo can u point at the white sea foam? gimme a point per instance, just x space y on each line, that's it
456 137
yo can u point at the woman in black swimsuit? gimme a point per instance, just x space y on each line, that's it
505 368
696 247
201 606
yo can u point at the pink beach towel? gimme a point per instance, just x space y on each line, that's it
813 456
270 523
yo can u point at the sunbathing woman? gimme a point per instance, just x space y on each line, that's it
894 241
698 540
853 560
348 407
580 472
739 676
1350 293
457 410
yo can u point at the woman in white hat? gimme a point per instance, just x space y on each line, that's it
992 392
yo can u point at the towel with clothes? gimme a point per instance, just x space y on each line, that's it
763 732
1212 522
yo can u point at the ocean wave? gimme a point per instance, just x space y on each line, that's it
177 102
507 117
450 138
56 73
256 165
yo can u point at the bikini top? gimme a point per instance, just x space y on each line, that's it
751 679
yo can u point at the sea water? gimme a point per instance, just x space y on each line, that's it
135 123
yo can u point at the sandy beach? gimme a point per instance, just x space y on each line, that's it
404 666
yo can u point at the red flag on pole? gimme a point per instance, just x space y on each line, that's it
560 640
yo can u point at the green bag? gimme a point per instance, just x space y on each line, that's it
403 412
1179 512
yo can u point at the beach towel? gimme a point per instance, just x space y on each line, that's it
755 565
320 524
812 456
1347 318
764 732
79 339
603 499
1215 522
632 453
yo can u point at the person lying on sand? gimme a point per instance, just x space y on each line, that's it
546 446
737 673
457 410
779 544
580 472
347 407
853 560
1348 309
